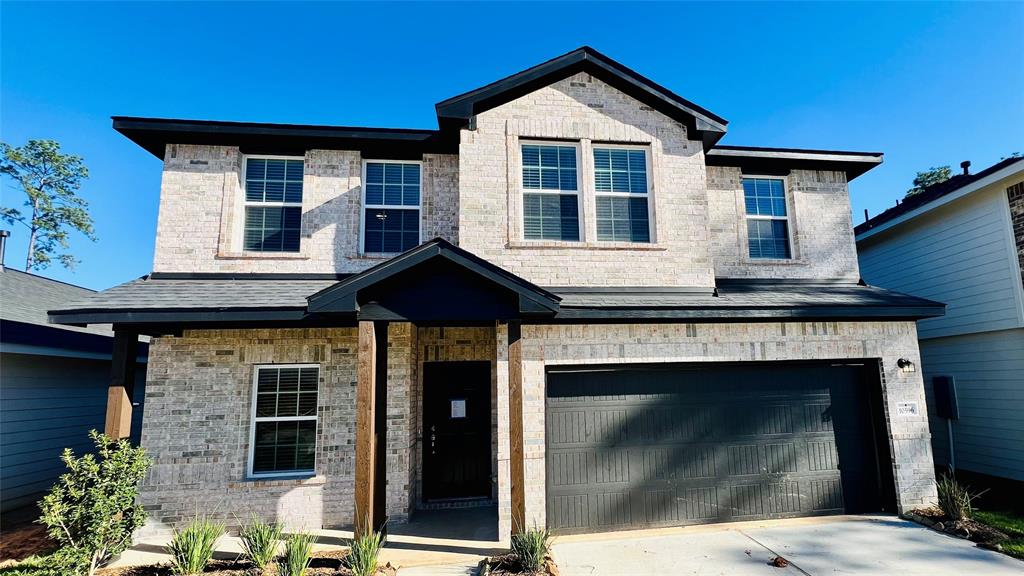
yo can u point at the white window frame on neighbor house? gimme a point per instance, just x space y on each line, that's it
788 218
246 203
648 166
363 206
523 190
253 420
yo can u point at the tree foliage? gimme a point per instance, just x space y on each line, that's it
91 510
929 177
52 208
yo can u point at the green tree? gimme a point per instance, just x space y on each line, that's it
929 177
50 181
91 510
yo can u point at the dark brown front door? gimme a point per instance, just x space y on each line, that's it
456 430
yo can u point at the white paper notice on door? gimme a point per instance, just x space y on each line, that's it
906 408
459 408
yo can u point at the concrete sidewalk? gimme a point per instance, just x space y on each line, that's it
813 546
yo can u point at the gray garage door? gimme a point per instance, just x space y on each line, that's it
631 448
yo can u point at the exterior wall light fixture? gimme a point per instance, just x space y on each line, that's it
906 366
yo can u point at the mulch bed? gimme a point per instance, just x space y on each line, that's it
508 565
983 534
24 541
322 564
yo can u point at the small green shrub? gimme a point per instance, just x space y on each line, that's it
91 510
259 541
955 499
531 548
191 548
363 553
298 550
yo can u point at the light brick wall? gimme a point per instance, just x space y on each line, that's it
822 231
200 227
656 343
585 109
197 426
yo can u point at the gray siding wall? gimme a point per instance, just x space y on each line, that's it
49 403
961 254
989 372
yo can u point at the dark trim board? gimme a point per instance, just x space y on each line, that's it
796 314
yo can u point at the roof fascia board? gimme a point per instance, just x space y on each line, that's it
943 200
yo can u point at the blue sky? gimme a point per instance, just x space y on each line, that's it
926 83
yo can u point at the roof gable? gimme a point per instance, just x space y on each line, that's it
700 122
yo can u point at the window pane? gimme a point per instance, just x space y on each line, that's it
620 170
272 229
623 219
768 238
289 445
764 197
551 217
549 167
390 230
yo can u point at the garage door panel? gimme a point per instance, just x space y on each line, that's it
661 448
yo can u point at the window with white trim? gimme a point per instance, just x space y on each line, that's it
621 194
284 419
551 208
273 204
391 207
767 218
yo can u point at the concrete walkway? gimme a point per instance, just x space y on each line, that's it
814 547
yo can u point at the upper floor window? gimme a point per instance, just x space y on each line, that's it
622 193
273 204
767 218
284 417
391 207
551 207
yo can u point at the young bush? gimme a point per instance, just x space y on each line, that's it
298 549
955 499
363 553
192 547
259 541
531 548
91 510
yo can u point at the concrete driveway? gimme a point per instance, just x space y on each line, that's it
836 545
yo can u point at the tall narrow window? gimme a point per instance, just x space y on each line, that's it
391 208
621 188
273 204
767 218
283 438
550 193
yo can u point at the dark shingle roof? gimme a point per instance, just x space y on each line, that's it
26 298
931 194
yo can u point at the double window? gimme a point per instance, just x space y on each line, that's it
273 204
391 207
767 218
551 193
284 419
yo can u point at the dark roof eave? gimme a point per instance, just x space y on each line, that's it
762 160
796 312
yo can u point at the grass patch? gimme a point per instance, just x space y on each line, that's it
1010 524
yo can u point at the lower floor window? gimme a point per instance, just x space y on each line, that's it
284 419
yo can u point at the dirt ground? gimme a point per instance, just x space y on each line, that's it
23 541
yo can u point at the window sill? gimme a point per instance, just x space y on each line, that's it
774 261
290 480
261 256
377 256
549 245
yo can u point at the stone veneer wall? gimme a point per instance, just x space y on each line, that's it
197 425
587 110
1015 196
199 228
547 345
819 214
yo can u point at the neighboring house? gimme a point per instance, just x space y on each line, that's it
568 300
962 242
53 387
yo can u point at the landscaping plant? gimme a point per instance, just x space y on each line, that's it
91 510
259 541
954 498
298 549
531 547
363 553
191 548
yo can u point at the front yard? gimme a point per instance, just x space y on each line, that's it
1008 523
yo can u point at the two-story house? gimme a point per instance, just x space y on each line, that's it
962 242
567 300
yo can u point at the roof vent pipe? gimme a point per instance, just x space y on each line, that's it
966 165
3 245
866 215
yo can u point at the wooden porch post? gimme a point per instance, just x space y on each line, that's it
122 384
515 426
366 450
